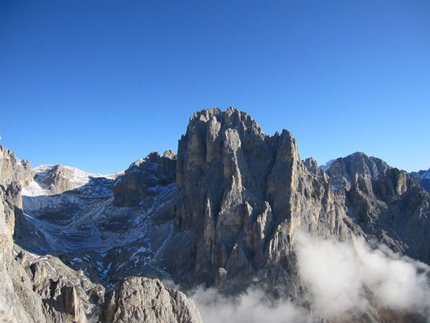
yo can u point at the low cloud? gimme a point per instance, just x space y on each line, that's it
353 277
250 307
341 279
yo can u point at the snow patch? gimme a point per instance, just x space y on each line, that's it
327 165
34 189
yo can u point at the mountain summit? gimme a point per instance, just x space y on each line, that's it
236 212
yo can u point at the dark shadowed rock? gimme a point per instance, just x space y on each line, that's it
146 177
423 178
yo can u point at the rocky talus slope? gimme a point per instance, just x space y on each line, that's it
227 212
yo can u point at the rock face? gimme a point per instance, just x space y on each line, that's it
12 307
344 171
13 174
57 179
13 169
139 299
385 202
243 194
423 178
65 295
144 178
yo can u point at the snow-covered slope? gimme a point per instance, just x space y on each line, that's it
83 226
76 177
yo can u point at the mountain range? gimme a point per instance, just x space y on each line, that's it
234 225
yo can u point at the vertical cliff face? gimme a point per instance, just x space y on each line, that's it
243 194
13 308
13 174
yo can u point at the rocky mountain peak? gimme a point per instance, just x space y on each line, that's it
423 178
242 194
343 171
145 177
57 179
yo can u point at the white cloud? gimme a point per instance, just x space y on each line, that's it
251 307
328 268
342 279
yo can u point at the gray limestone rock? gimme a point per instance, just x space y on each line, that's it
385 202
14 173
67 295
423 178
57 179
13 169
243 194
139 299
144 178
344 170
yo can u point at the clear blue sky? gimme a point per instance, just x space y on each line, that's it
100 84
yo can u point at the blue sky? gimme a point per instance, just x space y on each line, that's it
100 84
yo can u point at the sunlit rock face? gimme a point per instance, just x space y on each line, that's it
14 173
140 299
243 194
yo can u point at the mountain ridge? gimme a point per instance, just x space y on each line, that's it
227 212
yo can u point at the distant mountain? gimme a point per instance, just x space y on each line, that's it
422 177
235 214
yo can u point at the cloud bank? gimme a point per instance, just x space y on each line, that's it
342 280
251 307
